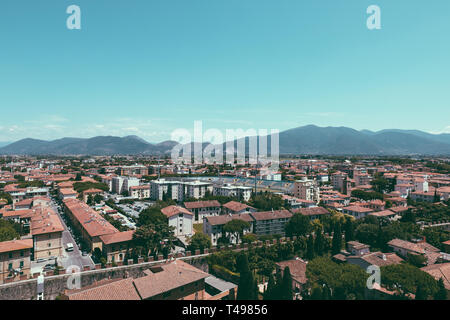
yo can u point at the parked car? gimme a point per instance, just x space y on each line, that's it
49 267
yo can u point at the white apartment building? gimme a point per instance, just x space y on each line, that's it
197 189
121 184
240 192
160 187
179 218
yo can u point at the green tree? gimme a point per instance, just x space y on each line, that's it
199 241
441 293
310 248
349 230
236 227
286 285
246 286
337 239
299 225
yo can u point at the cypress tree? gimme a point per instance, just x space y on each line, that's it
268 294
319 243
349 230
286 285
316 293
441 294
246 282
421 293
310 248
337 239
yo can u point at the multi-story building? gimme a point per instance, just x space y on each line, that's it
239 192
338 181
201 209
123 184
115 245
15 259
134 170
213 226
270 222
90 224
197 189
307 190
140 192
179 218
46 229
173 189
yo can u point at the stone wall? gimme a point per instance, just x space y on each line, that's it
56 285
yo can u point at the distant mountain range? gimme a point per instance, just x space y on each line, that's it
302 140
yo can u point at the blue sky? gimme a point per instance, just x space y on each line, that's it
149 67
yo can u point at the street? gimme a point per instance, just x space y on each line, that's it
72 258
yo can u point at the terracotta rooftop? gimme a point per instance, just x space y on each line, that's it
201 204
91 221
236 206
311 211
270 215
122 289
173 275
14 245
223 219
174 210
297 268
117 237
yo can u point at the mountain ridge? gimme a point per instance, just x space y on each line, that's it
308 139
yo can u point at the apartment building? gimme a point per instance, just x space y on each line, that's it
123 184
15 260
134 170
173 189
88 222
115 245
270 222
240 192
46 229
197 189
213 226
179 218
307 190
201 209
140 192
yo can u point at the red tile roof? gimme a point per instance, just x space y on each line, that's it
15 245
174 210
201 204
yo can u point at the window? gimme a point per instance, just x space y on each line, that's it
49 244
10 266
10 255
21 253
21 264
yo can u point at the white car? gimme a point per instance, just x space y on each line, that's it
69 247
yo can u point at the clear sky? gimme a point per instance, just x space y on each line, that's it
147 67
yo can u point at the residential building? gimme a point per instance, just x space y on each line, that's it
115 245
15 259
213 226
179 218
201 209
234 207
307 190
240 192
313 213
270 222
140 192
